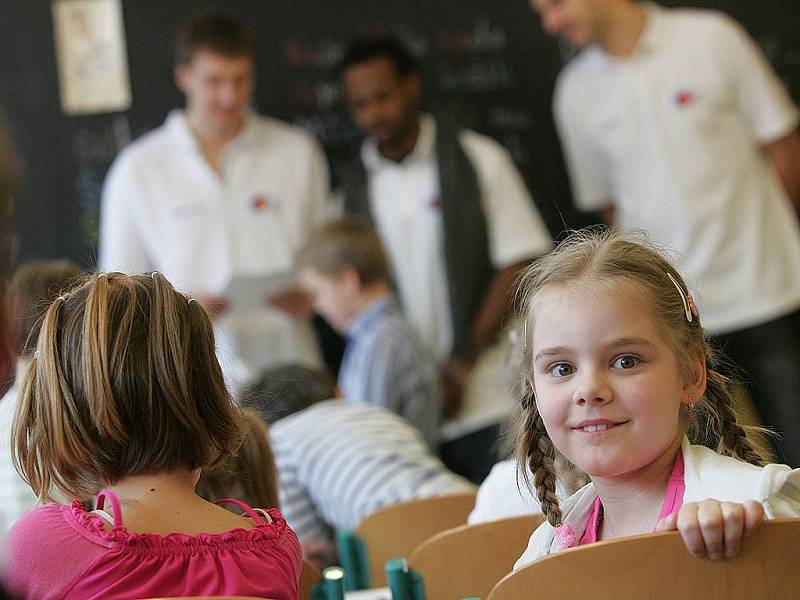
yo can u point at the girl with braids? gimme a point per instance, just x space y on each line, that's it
620 383
124 401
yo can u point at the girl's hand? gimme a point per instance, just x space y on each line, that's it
713 528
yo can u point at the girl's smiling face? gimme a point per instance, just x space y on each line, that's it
608 384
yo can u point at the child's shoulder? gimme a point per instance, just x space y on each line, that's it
712 475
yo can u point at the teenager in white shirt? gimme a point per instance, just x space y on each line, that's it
217 192
673 122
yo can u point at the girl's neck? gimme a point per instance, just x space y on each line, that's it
158 487
632 502
165 503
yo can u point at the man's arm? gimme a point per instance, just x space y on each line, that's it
121 245
494 310
785 156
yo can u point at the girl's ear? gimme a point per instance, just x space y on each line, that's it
696 374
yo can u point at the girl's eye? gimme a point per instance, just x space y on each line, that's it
626 361
562 370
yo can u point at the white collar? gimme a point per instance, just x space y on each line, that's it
178 126
423 149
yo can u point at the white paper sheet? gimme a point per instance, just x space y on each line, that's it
250 292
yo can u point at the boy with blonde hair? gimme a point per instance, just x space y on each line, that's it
346 272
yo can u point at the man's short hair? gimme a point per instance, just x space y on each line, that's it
32 289
366 49
283 391
219 33
347 243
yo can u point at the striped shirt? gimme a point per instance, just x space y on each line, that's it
385 363
339 462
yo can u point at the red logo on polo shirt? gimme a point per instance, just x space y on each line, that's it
436 203
684 98
261 202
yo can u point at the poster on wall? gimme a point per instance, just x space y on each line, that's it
91 56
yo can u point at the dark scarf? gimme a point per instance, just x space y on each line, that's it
466 244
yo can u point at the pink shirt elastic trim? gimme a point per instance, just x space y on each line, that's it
673 500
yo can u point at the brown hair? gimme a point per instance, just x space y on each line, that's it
608 257
33 288
124 382
249 475
219 33
347 243
282 391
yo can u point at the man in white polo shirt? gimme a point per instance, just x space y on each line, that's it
457 222
673 122
218 192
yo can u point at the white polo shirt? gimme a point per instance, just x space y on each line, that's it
672 137
406 205
165 209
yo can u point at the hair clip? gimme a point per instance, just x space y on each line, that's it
193 300
153 274
689 308
103 276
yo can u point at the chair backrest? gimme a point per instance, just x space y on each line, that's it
659 566
309 576
469 560
396 530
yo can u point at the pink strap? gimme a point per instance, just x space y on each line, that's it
115 505
248 510
673 500
676 486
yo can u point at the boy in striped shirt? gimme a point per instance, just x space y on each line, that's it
339 462
345 271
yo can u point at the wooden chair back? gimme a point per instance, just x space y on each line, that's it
659 566
309 576
395 531
469 560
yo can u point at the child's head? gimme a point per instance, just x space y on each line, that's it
32 289
342 266
617 364
124 381
283 391
249 475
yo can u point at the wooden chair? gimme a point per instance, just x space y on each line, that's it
309 576
395 531
469 560
659 566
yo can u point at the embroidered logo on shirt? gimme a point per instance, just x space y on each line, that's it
262 202
685 98
436 203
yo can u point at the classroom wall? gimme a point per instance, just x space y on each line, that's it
487 63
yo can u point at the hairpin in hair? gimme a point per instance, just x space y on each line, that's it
193 300
102 276
153 274
689 307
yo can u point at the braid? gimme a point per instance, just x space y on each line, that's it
539 453
732 438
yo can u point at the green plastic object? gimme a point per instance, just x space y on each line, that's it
353 556
332 585
405 584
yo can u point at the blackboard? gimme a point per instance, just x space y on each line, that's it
486 63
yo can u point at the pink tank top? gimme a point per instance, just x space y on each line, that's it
64 552
673 500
